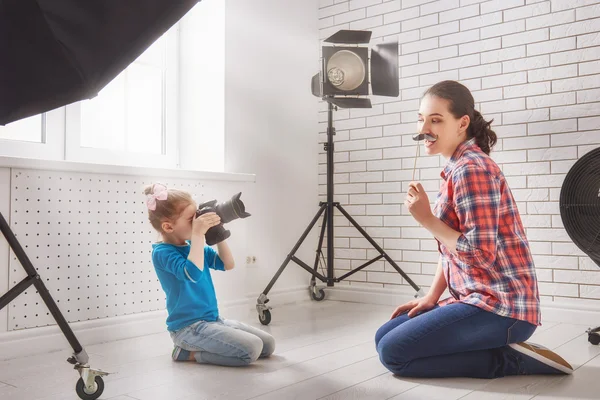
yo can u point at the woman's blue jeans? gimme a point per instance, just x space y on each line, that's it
456 340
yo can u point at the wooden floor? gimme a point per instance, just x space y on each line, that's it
324 351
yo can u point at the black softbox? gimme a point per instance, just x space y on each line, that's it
56 52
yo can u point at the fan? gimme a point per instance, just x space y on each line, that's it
580 211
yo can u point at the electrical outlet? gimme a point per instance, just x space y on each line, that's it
250 260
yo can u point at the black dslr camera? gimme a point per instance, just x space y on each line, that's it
228 211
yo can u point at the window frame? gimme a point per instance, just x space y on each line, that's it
170 159
51 146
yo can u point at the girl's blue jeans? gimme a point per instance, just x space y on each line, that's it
224 342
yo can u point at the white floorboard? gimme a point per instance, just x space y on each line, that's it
324 351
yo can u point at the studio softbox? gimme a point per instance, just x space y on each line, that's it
56 52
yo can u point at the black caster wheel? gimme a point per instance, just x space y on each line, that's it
594 336
265 318
319 296
83 393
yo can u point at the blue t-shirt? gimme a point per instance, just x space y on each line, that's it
190 292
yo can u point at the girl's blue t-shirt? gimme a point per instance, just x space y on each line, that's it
190 292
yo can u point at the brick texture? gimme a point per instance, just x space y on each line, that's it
533 66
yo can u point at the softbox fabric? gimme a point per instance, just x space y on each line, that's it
56 52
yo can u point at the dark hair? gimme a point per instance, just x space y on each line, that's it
462 103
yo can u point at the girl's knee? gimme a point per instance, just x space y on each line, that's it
268 346
252 349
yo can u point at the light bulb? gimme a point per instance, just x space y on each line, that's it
336 76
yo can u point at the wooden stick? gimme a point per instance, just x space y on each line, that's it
415 166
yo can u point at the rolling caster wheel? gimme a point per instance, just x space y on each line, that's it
594 336
265 317
317 296
85 394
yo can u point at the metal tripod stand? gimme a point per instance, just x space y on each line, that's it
326 209
90 386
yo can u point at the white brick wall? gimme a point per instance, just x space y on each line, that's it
533 66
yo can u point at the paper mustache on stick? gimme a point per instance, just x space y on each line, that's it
418 137
423 136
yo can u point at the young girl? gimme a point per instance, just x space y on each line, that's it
485 261
183 262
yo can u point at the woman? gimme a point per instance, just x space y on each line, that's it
485 261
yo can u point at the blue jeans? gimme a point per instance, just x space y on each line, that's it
456 340
224 342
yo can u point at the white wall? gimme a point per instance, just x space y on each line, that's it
532 66
86 231
202 87
271 48
88 235
260 98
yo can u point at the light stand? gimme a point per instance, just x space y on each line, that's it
90 385
386 62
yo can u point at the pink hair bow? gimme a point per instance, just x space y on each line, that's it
159 193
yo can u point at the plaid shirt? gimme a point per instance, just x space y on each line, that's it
492 267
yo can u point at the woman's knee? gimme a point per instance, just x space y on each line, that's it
379 335
394 351
388 327
389 359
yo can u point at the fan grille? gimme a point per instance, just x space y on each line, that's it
580 204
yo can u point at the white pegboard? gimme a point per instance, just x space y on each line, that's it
89 237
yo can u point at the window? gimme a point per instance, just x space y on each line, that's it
28 130
133 119
39 136
165 110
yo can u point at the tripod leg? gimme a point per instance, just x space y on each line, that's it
320 246
294 249
91 382
319 294
32 273
263 310
380 250
16 291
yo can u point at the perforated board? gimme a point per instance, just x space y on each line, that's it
89 237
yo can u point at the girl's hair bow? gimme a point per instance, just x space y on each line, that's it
159 192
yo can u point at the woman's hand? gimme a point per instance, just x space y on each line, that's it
203 223
417 203
414 307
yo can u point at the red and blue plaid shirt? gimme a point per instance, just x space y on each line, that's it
492 267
